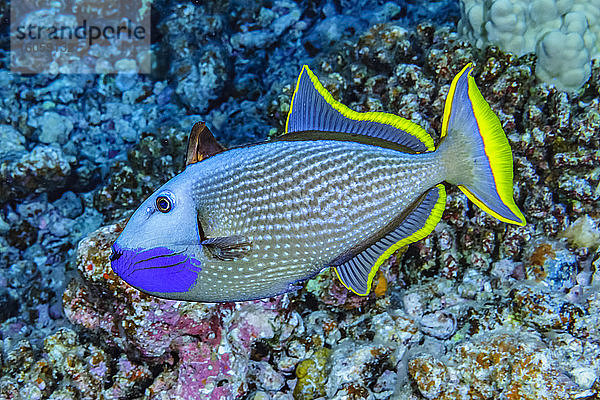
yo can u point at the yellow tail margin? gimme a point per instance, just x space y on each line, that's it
468 118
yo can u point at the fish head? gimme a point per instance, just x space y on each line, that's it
159 249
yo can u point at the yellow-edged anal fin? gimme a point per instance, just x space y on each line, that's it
357 273
313 108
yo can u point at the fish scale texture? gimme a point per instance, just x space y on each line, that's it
301 204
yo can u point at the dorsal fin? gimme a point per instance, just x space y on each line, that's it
201 144
357 273
314 110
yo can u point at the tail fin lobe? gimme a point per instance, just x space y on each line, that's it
472 132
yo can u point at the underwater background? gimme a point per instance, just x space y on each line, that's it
478 310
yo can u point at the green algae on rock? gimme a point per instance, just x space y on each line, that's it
312 374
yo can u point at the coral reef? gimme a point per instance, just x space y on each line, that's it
208 347
69 369
517 365
42 169
478 309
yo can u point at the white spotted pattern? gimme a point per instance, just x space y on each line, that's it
301 204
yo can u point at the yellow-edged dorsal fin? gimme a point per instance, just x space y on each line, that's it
314 110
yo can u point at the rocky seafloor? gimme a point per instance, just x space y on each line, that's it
477 310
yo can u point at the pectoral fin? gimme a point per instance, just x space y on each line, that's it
227 248
201 144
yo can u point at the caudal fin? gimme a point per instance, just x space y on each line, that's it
476 152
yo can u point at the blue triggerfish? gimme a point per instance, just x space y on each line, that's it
339 189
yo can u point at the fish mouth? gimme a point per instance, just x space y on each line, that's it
157 269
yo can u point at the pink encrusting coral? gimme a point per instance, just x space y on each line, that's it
202 373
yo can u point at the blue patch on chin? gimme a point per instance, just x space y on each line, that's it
159 269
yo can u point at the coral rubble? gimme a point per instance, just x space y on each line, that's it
478 309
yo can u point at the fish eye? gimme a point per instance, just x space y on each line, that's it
163 204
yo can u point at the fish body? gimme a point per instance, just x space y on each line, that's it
341 190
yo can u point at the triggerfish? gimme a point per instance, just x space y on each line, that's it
338 189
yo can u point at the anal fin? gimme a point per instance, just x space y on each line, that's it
357 273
